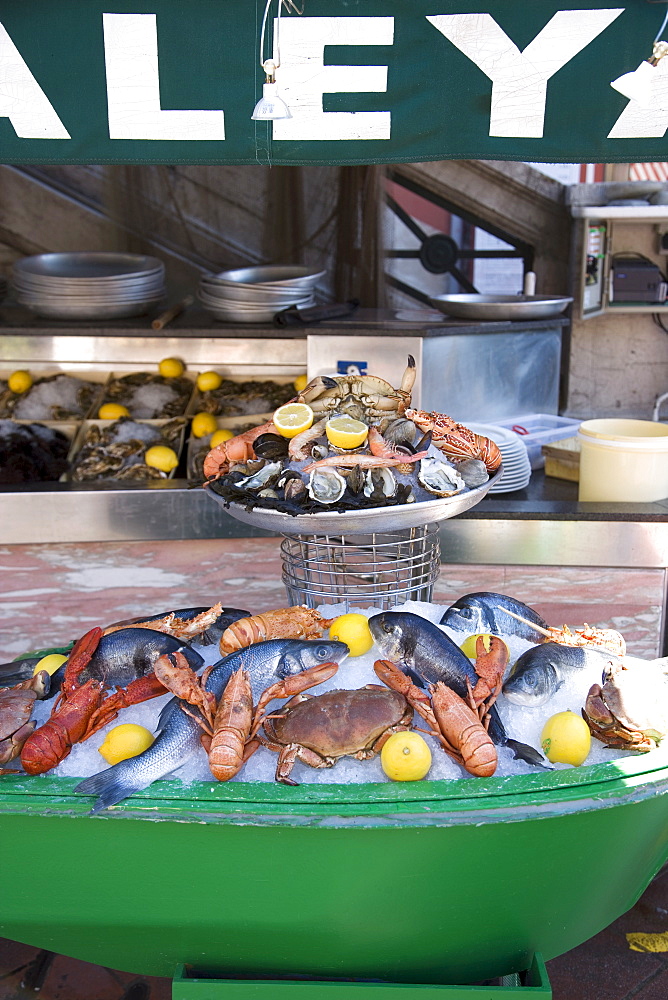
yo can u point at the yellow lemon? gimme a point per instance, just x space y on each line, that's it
300 382
161 457
50 663
566 739
203 424
292 419
171 367
345 432
405 757
125 741
469 644
353 629
112 411
19 381
219 437
206 381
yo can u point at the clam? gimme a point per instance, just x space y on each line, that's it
261 478
326 485
439 478
380 482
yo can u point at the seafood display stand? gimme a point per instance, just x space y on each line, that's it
321 888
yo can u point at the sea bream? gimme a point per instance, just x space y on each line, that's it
483 612
541 670
428 655
179 734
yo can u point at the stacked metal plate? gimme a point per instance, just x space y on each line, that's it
88 285
256 294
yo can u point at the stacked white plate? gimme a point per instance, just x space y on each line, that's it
256 294
88 285
516 464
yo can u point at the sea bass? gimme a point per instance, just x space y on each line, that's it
428 655
480 612
178 737
540 671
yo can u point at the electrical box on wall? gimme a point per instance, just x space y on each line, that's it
636 279
595 250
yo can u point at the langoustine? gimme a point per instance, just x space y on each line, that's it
298 622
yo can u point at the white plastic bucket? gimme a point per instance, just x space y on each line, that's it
623 461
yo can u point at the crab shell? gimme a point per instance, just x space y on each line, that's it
630 709
340 723
16 705
364 397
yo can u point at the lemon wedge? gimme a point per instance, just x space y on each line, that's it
19 381
405 757
161 457
171 367
207 381
292 419
126 740
353 629
345 432
203 424
112 411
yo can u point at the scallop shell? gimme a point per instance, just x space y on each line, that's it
439 478
326 485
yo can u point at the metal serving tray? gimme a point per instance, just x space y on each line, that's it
409 515
502 307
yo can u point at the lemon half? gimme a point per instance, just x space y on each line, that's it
292 419
353 629
124 741
345 432
405 757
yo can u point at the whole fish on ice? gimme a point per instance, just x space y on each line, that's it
480 612
428 655
179 734
540 671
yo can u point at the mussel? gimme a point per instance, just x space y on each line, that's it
271 446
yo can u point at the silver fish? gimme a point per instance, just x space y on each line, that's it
483 612
540 671
178 737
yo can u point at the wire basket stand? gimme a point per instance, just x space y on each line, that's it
377 569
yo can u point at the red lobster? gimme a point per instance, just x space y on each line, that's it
237 449
81 710
455 440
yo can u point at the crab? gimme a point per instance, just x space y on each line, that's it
16 705
363 397
629 710
319 729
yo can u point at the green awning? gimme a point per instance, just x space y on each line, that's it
366 81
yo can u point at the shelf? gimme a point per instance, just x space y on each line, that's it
642 213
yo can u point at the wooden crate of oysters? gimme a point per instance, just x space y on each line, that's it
207 432
50 395
148 395
33 452
126 449
239 396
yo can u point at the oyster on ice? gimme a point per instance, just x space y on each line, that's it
326 485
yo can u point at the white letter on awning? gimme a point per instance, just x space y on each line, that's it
646 121
519 79
303 77
22 100
133 86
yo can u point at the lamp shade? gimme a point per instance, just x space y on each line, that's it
270 106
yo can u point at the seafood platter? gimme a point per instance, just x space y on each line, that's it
444 720
345 453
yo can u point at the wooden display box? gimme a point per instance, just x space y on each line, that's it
562 459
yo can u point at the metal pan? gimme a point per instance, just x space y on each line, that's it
501 307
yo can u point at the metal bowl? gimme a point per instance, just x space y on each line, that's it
85 265
501 307
408 515
270 275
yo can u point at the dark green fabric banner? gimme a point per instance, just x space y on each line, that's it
366 81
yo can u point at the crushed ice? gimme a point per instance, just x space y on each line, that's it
523 724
